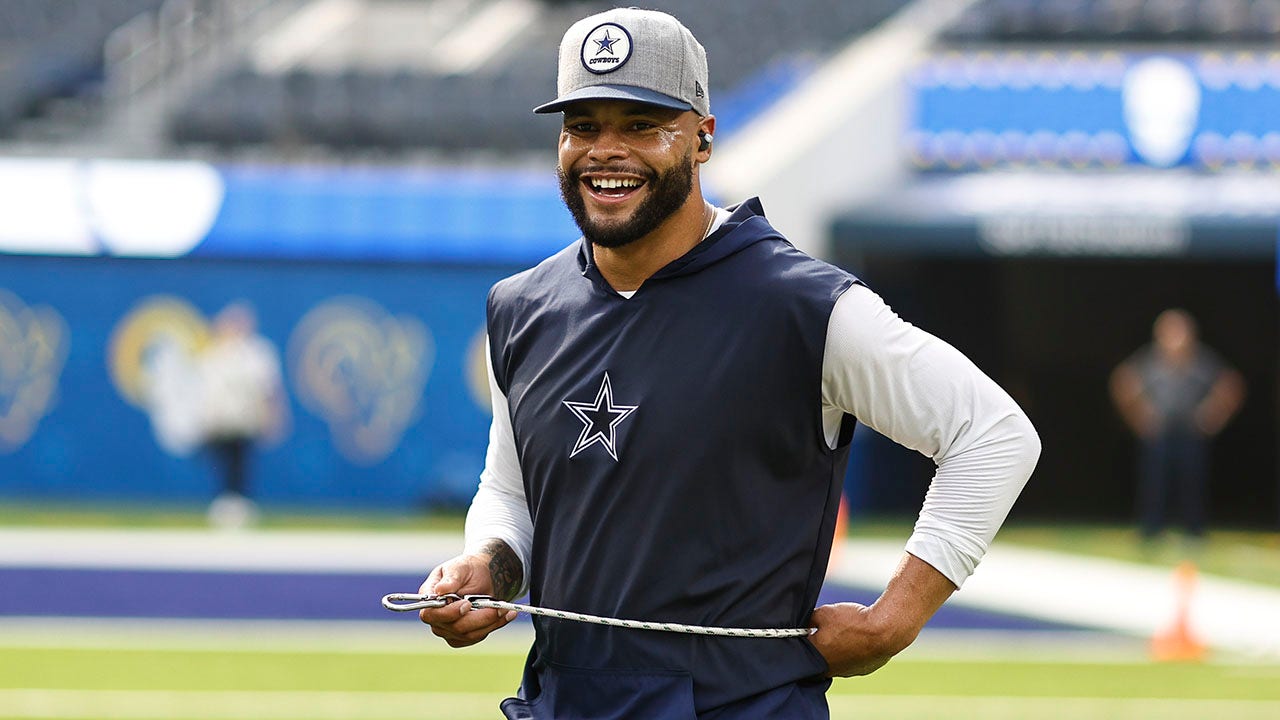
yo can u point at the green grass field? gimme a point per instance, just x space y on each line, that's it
431 681
173 670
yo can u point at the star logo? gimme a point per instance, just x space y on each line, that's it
606 48
606 43
600 420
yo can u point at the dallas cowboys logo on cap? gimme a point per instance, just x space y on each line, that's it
634 55
606 48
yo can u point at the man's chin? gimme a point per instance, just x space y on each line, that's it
609 236
607 223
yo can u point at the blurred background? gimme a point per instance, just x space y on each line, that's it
307 200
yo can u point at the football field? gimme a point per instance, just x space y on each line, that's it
179 623
270 671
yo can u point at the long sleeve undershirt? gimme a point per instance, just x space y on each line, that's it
894 378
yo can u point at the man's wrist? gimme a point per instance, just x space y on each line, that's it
505 571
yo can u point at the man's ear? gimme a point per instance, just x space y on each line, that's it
706 131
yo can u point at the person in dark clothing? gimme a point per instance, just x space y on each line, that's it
1176 395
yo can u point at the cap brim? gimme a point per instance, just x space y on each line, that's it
613 92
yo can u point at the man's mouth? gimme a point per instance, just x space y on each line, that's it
612 188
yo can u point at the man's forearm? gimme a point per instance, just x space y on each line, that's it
913 595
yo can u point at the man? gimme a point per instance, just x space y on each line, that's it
1175 394
674 396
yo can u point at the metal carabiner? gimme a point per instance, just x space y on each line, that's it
404 602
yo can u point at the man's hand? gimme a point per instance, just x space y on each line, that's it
850 639
495 571
858 640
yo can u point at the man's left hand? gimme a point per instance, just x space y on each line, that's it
858 640
850 639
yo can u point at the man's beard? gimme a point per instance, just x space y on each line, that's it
667 192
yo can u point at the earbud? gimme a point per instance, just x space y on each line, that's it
705 141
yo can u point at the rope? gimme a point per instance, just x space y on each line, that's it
403 602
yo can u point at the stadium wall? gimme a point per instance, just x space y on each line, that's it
370 284
383 369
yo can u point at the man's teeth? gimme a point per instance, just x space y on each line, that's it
609 183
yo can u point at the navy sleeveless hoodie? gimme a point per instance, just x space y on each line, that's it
675 467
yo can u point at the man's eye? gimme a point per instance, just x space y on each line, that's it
579 127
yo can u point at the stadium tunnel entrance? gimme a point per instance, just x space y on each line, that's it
1050 328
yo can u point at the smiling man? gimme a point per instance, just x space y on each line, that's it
674 395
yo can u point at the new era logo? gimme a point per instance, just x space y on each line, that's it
697 89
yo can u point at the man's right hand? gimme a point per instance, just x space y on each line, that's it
459 623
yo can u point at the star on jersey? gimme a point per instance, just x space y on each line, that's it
600 420
606 43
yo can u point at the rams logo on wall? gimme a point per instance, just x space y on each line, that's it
363 371
151 359
33 348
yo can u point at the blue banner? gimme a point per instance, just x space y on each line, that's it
382 366
170 209
981 109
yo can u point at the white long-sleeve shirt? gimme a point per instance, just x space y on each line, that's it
894 378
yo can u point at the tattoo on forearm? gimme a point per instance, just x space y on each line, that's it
504 568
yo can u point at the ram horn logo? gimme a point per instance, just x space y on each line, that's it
152 361
33 349
363 372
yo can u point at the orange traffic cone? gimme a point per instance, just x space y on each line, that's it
842 526
1178 643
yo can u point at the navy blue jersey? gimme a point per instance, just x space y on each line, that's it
674 461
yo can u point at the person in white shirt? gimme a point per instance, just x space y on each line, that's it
241 402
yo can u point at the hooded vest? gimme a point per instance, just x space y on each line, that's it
675 467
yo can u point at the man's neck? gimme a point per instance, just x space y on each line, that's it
626 268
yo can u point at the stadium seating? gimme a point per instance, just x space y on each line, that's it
754 47
54 47
1112 21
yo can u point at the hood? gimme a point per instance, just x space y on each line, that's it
746 226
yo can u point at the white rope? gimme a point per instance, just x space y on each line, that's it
402 602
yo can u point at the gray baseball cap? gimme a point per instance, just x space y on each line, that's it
632 54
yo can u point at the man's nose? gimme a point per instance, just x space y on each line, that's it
608 144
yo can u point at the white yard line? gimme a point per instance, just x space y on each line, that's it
1098 593
242 551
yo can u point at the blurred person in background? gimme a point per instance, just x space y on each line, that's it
242 403
1175 394
674 396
